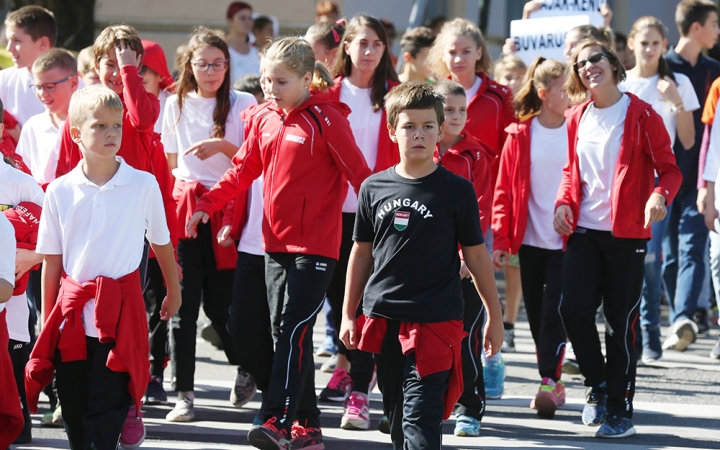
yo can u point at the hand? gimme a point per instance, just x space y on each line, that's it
710 215
127 56
25 260
510 47
223 236
563 220
530 7
499 257
348 333
170 305
702 195
464 272
607 14
191 227
494 335
205 149
668 88
655 209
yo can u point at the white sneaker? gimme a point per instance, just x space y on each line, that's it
683 333
329 365
184 410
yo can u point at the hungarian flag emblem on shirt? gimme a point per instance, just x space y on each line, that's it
401 220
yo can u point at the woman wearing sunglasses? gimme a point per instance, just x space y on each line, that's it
605 207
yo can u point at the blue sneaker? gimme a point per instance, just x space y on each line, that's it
466 426
615 427
595 409
494 376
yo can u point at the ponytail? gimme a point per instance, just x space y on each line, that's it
296 55
322 78
540 75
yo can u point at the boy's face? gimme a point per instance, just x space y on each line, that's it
416 133
21 46
455 114
99 137
91 78
707 33
109 72
264 35
54 89
151 81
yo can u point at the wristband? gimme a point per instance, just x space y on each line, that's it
678 108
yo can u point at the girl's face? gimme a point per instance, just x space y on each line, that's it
285 88
365 50
208 79
572 39
512 78
241 22
455 114
648 45
460 55
555 97
594 75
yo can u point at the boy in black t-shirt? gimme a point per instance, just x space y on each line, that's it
406 268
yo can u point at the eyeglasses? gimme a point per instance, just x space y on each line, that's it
49 87
217 66
594 59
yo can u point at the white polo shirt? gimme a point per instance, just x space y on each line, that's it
39 146
7 253
100 230
16 187
18 94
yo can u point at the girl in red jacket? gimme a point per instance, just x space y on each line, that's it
606 204
530 172
299 142
364 74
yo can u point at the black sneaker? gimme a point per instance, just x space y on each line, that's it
268 437
702 320
155 394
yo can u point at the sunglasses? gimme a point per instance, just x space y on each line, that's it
594 59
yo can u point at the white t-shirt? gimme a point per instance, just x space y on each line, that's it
18 94
548 154
251 237
16 187
164 95
599 140
365 125
101 230
195 125
7 253
470 93
241 64
39 146
646 89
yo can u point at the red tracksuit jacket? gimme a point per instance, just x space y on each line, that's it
644 148
306 157
471 159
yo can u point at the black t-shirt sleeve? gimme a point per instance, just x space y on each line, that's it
468 226
364 226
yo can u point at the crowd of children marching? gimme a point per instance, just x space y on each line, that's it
131 197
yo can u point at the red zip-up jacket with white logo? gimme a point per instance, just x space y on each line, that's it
471 159
305 157
645 147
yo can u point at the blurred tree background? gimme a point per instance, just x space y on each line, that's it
75 19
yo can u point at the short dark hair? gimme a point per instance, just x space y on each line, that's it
261 22
249 83
413 95
449 87
36 21
690 11
416 39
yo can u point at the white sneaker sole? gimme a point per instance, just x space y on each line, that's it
354 424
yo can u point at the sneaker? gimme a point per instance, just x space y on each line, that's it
155 394
384 425
570 365
209 333
339 387
184 410
702 319
595 409
715 352
57 418
52 419
683 333
328 347
133 430
466 426
650 356
494 376
615 426
306 438
508 345
244 389
268 437
550 395
357 414
329 365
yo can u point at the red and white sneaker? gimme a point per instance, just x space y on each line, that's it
357 414
306 438
550 396
133 431
269 437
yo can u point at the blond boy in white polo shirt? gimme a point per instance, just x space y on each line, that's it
92 233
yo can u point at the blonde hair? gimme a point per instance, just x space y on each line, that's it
413 95
55 58
86 60
297 56
508 63
112 36
575 88
87 100
542 73
459 27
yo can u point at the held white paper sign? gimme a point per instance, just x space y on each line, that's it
543 37
555 8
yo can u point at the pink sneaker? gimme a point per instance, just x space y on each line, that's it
339 387
550 395
133 431
357 414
